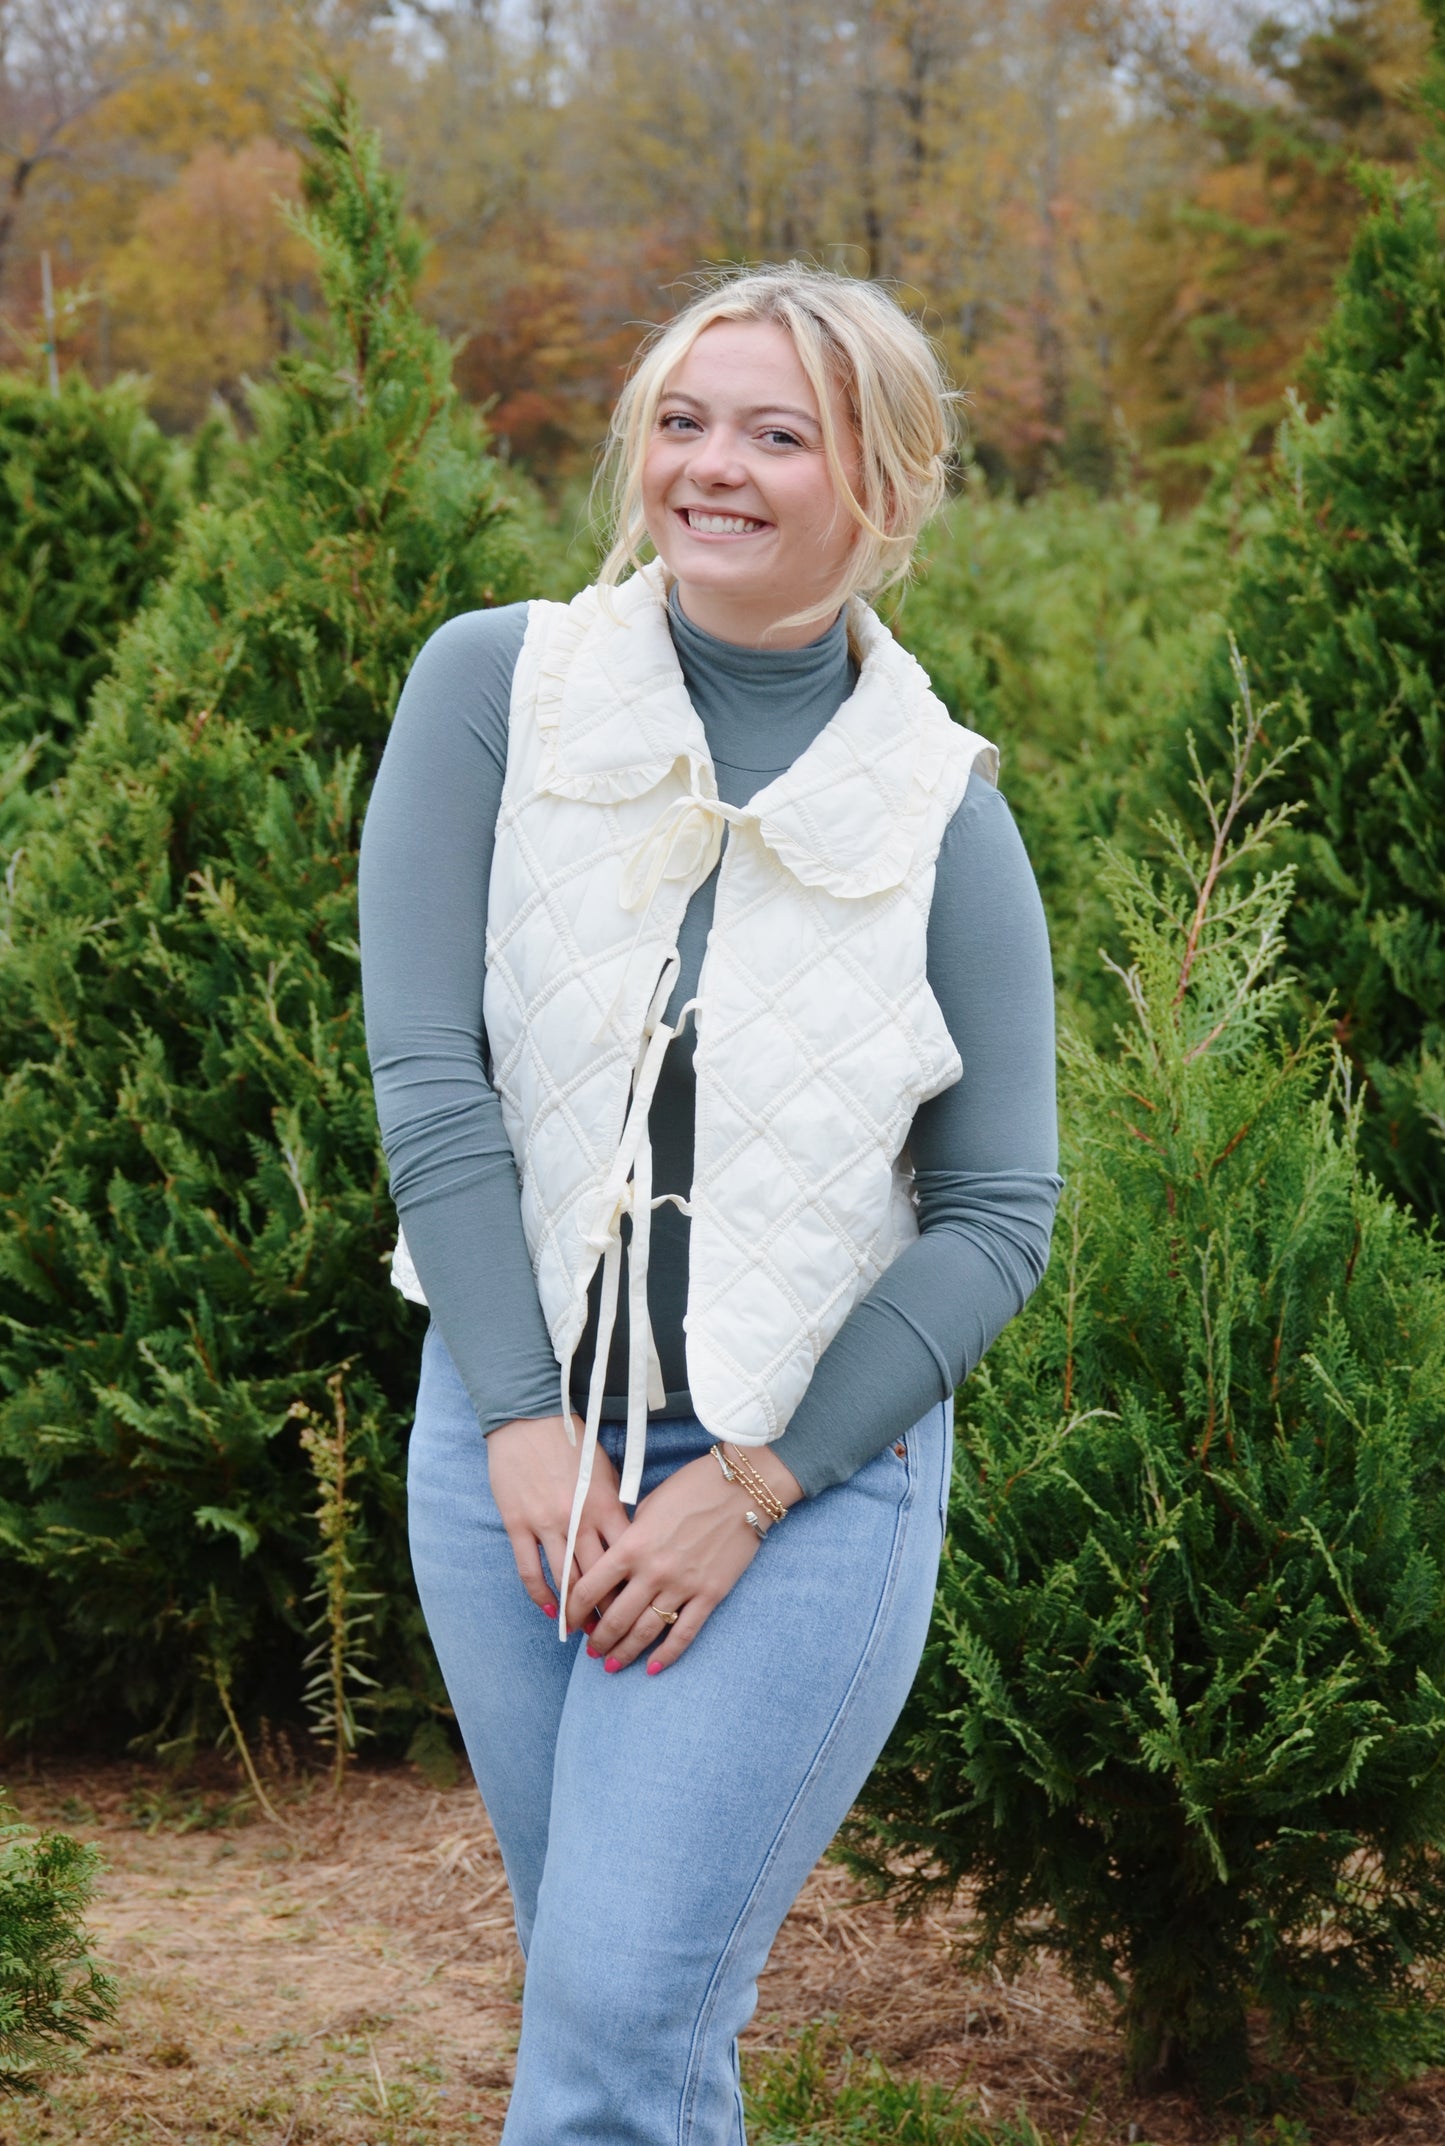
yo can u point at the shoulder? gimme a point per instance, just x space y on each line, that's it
476 651
982 826
460 686
983 867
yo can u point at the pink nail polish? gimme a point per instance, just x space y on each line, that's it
549 1609
595 1652
655 1669
612 1665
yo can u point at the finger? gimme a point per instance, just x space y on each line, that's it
595 1585
590 1546
631 1623
555 1547
529 1570
603 1507
680 1636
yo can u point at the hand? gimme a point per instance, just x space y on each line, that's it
532 1468
688 1545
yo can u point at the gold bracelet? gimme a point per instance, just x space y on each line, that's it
768 1498
754 1484
756 1489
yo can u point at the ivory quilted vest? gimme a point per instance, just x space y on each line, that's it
817 1034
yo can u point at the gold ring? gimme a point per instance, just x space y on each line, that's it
667 1616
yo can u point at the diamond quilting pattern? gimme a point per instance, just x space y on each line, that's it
817 1034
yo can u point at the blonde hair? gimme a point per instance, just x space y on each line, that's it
846 333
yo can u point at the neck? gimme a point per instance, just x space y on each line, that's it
744 624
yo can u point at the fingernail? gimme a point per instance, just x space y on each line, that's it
612 1665
595 1652
549 1609
655 1669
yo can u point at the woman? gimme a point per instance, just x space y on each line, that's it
709 1009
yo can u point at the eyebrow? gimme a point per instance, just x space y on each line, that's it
762 409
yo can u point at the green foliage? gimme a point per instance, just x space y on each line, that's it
1181 1713
51 1990
1062 628
816 2091
339 1684
91 494
195 1216
1341 606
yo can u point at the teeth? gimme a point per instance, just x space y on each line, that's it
721 524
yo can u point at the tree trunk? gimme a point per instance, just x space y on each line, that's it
10 213
1184 2021
1048 327
870 90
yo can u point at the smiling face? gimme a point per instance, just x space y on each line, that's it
736 490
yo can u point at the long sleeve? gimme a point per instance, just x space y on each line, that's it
426 860
985 1154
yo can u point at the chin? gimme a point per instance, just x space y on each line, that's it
711 572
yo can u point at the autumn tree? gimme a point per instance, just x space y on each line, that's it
62 62
1115 220
147 92
204 291
1225 276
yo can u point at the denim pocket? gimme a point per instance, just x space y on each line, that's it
914 1454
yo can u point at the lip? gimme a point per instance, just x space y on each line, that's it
721 536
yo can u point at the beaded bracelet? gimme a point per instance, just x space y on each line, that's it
747 1478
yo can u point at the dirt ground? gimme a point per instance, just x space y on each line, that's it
351 1979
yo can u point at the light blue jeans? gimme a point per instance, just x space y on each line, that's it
656 1830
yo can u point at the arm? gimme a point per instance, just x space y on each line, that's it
985 1153
426 861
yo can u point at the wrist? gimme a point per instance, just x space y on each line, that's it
776 1473
536 1423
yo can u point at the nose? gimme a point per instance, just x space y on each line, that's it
716 459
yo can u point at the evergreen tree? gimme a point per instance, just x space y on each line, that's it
90 497
1059 625
51 1991
1181 1711
194 1220
1341 607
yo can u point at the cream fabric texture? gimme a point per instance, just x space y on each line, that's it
817 1033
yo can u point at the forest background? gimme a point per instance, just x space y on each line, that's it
1122 219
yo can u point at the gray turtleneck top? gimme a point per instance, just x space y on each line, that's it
984 1153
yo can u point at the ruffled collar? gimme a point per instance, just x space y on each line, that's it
850 814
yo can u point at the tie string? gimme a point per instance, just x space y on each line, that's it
627 1190
684 842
